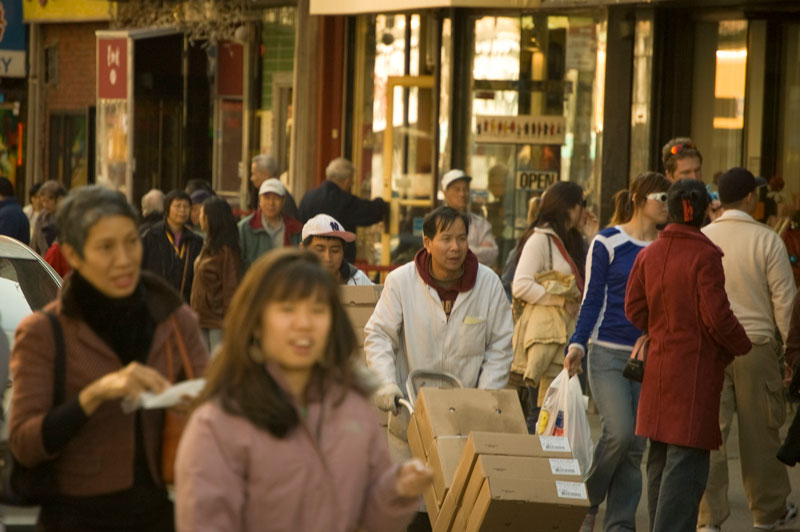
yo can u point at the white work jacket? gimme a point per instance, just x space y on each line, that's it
481 240
409 330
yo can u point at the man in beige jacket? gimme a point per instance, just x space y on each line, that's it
760 286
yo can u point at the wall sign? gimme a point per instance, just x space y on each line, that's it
112 68
12 40
535 179
526 129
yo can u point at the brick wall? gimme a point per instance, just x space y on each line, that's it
74 88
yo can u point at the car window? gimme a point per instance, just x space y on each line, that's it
25 286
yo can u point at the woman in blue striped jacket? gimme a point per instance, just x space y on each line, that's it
604 332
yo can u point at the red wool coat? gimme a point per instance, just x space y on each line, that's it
676 292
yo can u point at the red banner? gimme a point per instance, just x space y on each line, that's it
112 68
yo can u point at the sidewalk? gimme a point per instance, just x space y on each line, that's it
740 519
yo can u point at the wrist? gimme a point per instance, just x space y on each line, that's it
90 399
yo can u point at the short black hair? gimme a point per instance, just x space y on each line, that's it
687 201
440 219
175 195
6 187
307 241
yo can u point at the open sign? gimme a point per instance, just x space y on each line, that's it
536 180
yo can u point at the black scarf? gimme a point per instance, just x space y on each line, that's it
122 323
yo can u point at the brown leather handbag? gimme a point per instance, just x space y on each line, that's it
174 422
634 369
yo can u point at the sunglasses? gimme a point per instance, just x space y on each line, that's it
658 196
677 148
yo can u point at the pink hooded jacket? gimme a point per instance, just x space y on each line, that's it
333 475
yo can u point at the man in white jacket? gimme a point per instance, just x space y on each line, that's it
760 287
444 311
455 186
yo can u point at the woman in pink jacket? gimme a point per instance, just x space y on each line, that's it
285 437
676 292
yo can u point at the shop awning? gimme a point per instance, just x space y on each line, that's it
352 7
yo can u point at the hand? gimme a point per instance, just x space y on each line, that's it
126 383
590 224
787 375
412 478
572 362
572 307
384 398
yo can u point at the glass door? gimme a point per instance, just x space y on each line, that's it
409 158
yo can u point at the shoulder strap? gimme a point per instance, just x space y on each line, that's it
59 362
187 364
567 257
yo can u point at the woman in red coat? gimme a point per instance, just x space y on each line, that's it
676 292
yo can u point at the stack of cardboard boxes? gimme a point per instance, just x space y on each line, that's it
489 474
359 303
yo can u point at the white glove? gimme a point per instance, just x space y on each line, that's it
384 397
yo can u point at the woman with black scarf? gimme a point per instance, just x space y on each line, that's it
119 326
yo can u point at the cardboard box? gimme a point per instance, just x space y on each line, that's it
521 467
515 504
359 303
443 459
430 504
414 440
487 443
457 412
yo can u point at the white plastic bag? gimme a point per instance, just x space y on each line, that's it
563 413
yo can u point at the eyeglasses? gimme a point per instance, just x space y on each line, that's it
677 148
658 196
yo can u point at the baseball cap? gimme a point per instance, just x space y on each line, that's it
324 225
273 185
737 183
453 175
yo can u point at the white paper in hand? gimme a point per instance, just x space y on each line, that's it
172 395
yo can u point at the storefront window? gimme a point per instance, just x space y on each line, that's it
789 126
112 143
543 73
719 94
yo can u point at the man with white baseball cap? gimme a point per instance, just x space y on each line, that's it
455 186
326 237
267 228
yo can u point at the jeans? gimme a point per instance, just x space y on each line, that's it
676 480
615 473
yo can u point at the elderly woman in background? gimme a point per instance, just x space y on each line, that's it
119 326
170 247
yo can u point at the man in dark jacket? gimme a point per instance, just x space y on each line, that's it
334 199
13 221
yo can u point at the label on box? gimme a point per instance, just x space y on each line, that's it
571 490
554 443
564 466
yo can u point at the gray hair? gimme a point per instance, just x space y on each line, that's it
153 201
266 163
52 189
83 208
339 170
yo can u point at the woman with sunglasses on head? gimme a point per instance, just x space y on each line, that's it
285 437
605 336
676 292
550 258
